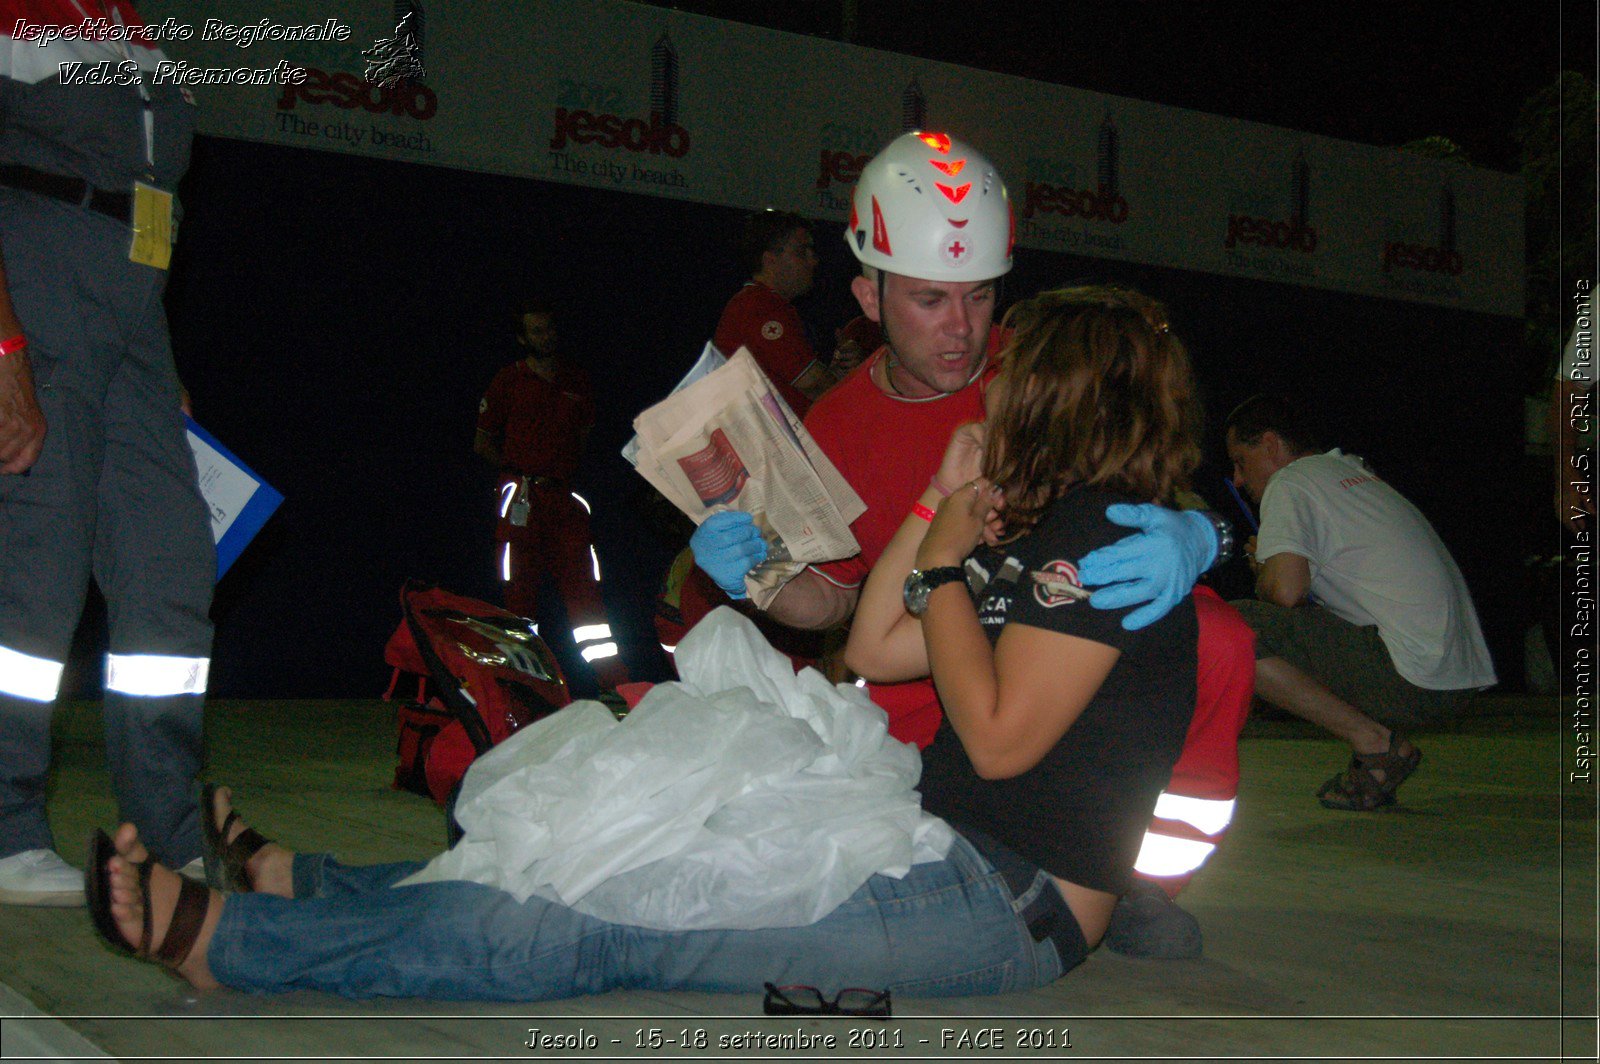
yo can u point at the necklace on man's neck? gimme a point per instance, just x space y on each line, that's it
890 362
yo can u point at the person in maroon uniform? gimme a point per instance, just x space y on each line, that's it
780 253
532 423
778 250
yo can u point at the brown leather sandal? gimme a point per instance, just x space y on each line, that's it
188 914
1359 790
224 860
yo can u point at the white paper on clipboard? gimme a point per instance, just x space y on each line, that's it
238 501
225 486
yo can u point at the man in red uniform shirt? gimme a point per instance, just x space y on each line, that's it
778 250
532 423
931 226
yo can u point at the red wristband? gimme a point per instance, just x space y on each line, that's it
922 511
13 345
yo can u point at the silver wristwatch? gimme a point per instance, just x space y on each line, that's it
921 582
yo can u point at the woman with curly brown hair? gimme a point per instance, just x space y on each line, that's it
1061 729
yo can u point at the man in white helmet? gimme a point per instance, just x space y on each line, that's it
932 227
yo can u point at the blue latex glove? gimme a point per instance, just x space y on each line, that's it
1157 566
728 545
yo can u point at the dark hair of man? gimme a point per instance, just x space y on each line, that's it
1272 413
531 304
765 231
1095 391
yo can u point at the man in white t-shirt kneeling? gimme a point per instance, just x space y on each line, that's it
1363 623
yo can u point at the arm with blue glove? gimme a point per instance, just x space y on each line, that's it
728 545
1158 565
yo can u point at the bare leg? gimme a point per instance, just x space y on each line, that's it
271 868
1297 692
127 906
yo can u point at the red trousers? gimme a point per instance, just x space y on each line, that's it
1196 807
553 543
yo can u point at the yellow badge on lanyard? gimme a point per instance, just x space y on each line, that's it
152 226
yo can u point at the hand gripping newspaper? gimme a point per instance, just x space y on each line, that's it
728 441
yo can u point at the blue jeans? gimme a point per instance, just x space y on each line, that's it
949 928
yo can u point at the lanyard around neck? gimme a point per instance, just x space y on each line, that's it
112 14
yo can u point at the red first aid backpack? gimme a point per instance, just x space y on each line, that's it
481 673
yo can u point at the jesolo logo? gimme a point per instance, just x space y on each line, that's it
1439 257
1099 200
586 114
1295 233
405 97
842 165
349 92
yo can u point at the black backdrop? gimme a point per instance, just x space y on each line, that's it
336 320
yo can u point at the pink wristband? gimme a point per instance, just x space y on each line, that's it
938 487
922 511
13 345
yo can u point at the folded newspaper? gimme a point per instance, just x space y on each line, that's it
728 441
710 359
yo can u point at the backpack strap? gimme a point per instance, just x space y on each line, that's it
457 701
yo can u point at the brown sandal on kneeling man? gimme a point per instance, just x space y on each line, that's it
1372 779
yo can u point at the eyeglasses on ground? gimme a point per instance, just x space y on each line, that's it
809 1001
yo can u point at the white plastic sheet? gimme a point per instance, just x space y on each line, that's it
745 796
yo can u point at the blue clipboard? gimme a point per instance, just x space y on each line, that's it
240 501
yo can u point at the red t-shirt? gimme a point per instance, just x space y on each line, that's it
538 425
888 448
762 320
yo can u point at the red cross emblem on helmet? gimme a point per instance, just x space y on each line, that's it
955 250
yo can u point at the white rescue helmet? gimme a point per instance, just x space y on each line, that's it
929 206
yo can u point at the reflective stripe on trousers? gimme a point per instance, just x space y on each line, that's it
25 676
156 675
594 641
1183 835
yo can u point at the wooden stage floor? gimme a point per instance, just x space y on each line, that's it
1458 926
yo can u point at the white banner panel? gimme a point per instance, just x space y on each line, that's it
649 100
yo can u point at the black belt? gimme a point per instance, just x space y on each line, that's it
118 205
1046 914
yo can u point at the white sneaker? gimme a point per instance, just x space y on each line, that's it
39 877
